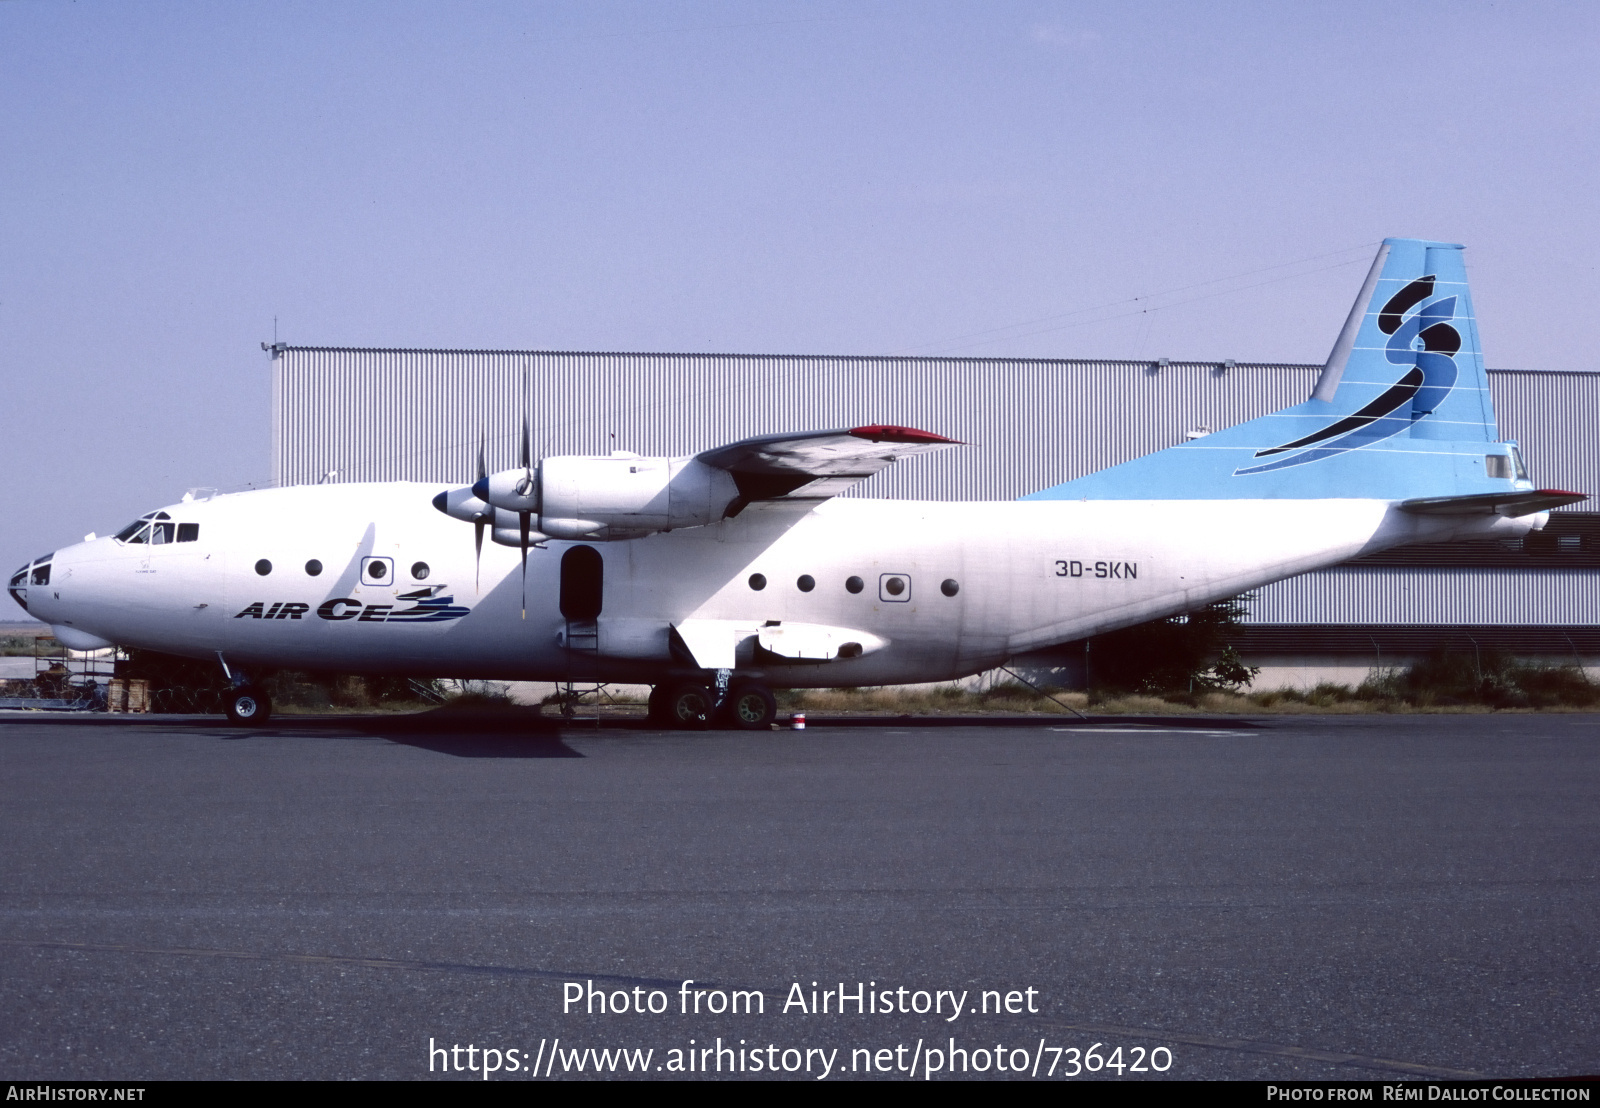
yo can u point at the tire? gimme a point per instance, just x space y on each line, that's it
749 707
248 707
690 706
660 716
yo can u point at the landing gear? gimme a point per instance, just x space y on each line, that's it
659 715
749 707
248 706
689 706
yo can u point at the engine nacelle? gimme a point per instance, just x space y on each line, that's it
622 496
508 529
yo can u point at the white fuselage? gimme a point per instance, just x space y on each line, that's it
1028 574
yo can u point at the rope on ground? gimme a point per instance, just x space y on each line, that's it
1041 692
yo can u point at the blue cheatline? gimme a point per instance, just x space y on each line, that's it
1401 410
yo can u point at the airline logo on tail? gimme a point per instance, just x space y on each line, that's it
1424 385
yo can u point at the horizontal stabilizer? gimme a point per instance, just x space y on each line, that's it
1512 502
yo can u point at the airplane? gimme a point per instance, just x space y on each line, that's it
720 576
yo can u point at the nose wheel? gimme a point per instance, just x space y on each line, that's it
248 706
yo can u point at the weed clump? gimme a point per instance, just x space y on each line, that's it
1497 680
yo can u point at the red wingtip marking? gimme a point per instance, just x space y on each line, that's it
886 432
1560 492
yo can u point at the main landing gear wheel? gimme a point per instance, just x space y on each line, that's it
660 714
689 706
749 707
248 706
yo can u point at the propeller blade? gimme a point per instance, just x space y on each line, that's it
477 566
525 522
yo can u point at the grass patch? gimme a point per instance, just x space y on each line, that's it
1482 681
941 700
479 694
41 645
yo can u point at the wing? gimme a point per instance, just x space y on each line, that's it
815 465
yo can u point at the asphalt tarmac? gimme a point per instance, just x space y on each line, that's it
1364 898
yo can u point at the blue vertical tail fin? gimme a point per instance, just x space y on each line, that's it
1401 409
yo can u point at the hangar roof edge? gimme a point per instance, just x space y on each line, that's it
283 348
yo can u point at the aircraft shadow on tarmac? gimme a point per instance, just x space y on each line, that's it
514 733
464 733
524 733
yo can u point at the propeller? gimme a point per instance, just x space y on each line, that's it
525 518
480 521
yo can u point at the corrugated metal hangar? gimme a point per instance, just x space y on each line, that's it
384 415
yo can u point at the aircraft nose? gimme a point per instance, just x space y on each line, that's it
36 572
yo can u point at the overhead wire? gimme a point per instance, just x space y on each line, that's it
1148 296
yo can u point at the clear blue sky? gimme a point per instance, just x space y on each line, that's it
806 177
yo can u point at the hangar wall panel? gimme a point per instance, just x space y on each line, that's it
1552 415
381 415
1346 594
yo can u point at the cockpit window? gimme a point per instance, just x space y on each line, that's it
152 528
20 579
41 574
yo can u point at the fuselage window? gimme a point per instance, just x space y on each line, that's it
313 567
188 532
419 571
263 567
806 582
854 584
758 581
